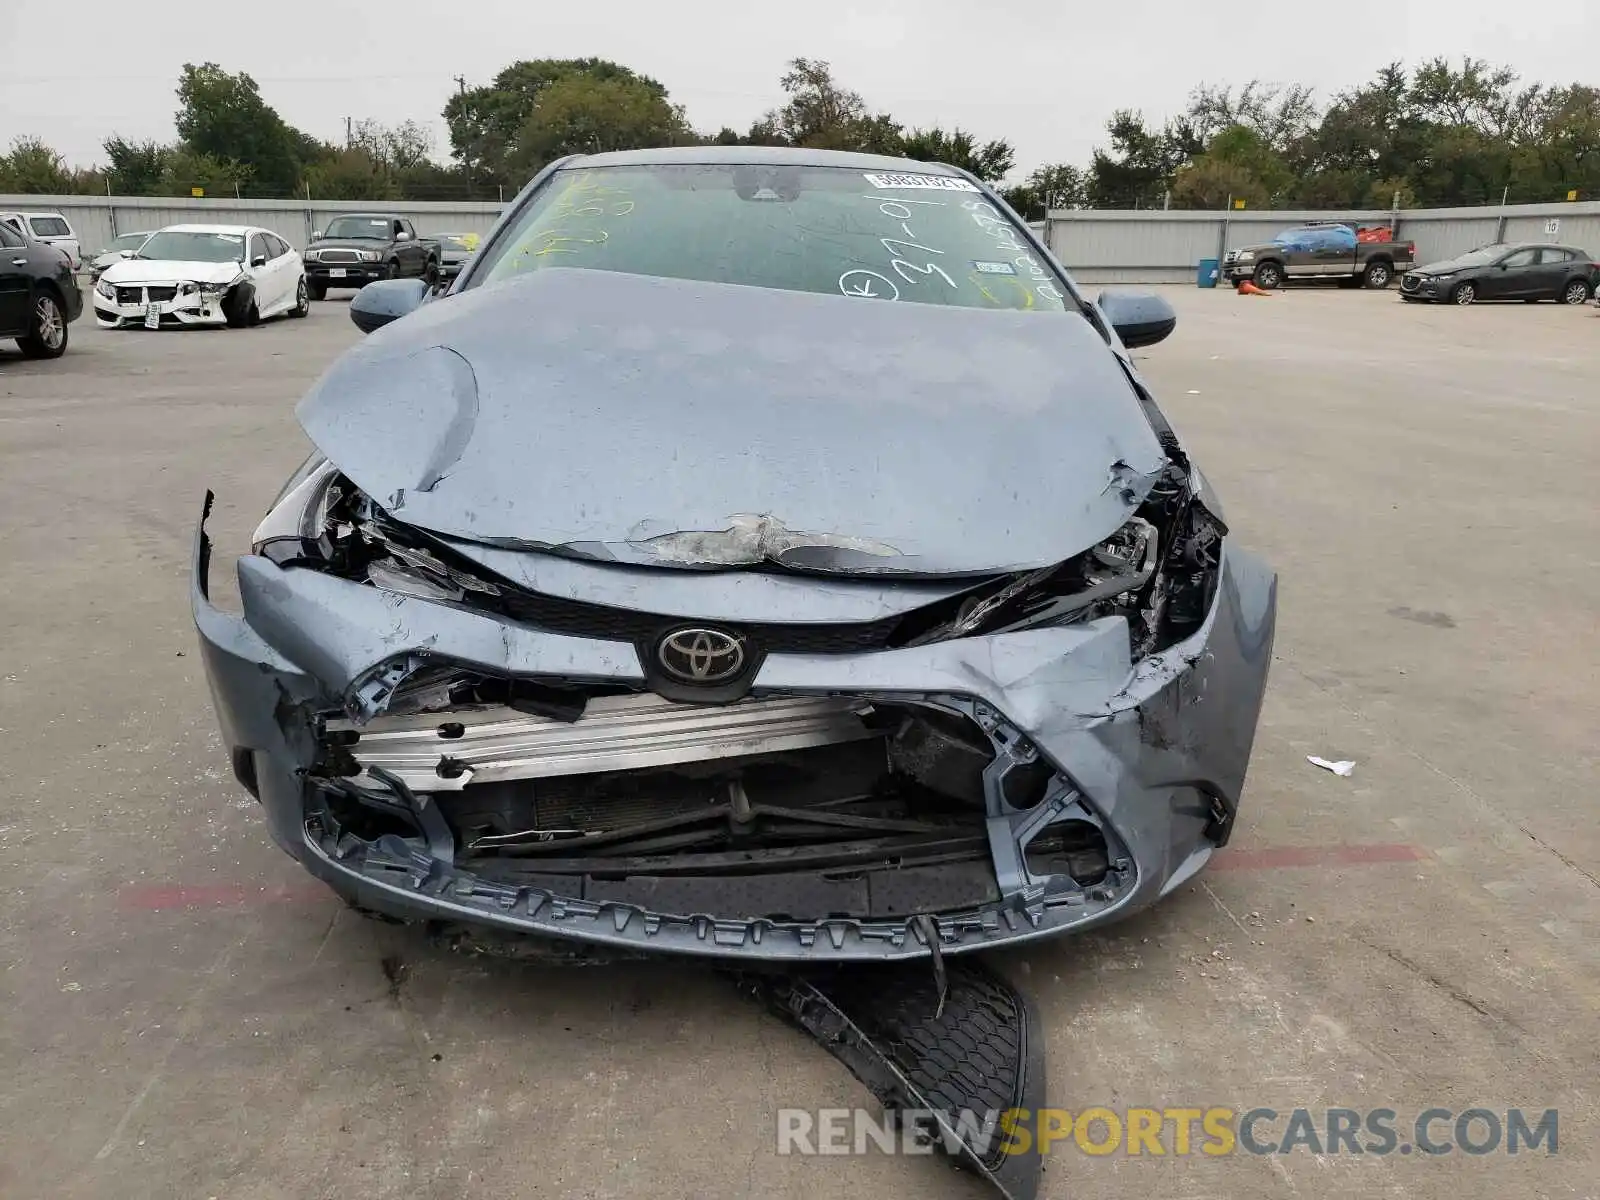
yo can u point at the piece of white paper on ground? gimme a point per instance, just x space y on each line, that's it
1342 767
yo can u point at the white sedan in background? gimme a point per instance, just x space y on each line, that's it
231 275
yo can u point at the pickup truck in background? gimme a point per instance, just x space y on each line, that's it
357 248
1322 250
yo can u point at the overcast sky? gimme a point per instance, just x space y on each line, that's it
1044 75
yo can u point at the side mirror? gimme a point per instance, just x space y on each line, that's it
402 236
377 304
125 253
259 260
1140 318
316 235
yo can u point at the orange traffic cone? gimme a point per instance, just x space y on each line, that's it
1246 288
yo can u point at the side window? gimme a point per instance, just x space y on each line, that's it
1550 255
49 227
10 238
276 247
13 222
1522 258
256 248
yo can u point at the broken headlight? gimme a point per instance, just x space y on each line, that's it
299 515
323 521
1106 578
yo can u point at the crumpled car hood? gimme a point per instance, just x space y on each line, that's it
678 423
1446 266
154 270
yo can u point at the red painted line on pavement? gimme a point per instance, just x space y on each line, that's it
1273 857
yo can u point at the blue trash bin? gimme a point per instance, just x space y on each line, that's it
1207 274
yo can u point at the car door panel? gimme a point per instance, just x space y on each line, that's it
1550 275
278 262
16 284
1335 252
269 292
1513 278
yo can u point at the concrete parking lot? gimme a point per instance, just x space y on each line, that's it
184 1014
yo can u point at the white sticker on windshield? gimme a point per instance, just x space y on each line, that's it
936 183
228 237
994 268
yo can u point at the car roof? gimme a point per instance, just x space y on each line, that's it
765 156
234 229
24 212
1512 247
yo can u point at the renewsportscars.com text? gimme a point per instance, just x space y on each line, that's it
1210 1132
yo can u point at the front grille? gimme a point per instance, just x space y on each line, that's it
1410 283
130 295
339 256
160 295
600 621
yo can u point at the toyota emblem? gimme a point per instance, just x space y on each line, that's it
701 655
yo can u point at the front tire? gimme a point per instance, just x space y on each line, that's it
1464 293
1378 275
1576 292
1268 276
319 291
302 300
47 332
430 273
239 308
394 270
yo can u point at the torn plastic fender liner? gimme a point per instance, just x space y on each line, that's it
965 1063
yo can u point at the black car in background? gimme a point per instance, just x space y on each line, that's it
39 296
1526 271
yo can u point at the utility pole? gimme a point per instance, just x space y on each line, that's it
347 124
461 90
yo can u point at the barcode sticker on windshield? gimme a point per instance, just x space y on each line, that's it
937 183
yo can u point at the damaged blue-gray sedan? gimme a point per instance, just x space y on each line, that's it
760 554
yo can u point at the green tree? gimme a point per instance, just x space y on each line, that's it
401 147
185 170
1238 164
486 122
989 161
353 174
1138 169
223 116
136 167
822 115
33 168
1052 186
583 114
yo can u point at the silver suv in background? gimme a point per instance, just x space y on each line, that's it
49 227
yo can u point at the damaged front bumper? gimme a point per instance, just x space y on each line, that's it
1100 783
164 307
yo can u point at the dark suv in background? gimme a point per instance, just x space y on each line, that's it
39 295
